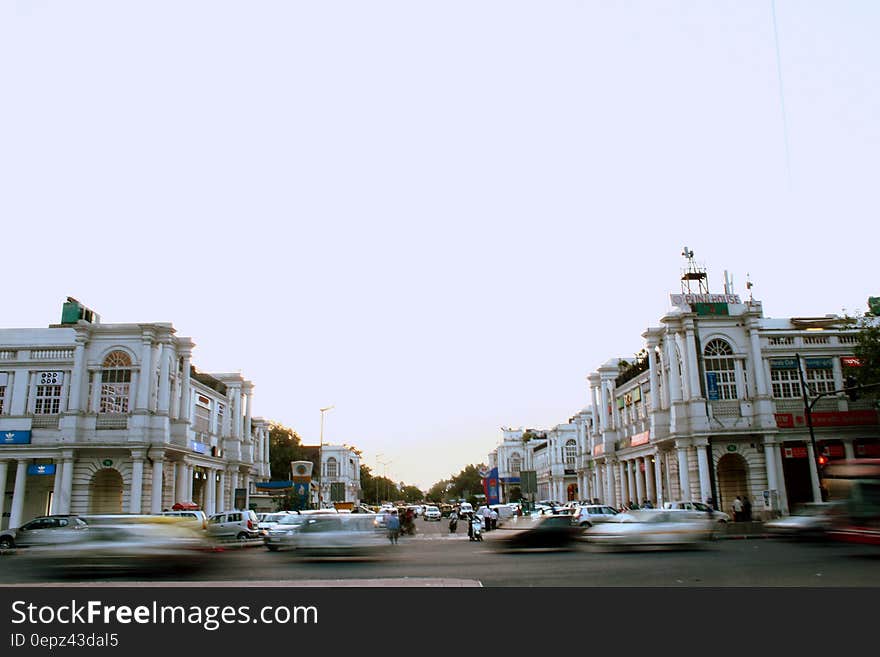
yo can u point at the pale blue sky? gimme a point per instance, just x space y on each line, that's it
438 216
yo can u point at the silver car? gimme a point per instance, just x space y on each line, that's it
651 527
590 514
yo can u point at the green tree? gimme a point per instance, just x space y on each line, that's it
867 350
412 493
284 446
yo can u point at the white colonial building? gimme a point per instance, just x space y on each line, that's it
710 408
114 418
340 479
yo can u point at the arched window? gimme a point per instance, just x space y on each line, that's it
720 369
570 454
331 467
116 383
515 464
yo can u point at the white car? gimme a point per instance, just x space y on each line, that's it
696 510
651 527
589 515
267 521
432 513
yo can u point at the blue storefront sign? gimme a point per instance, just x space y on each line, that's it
201 448
15 437
712 385
41 469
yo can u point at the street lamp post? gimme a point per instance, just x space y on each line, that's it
385 465
321 460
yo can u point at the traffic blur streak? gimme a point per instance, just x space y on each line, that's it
651 528
551 532
122 545
359 536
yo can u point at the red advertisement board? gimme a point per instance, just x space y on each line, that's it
828 419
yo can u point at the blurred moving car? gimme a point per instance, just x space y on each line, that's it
553 532
651 527
125 544
234 525
696 510
269 521
807 521
341 536
43 530
280 537
200 517
432 513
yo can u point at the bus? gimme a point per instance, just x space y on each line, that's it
856 483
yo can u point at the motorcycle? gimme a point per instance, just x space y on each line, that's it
476 533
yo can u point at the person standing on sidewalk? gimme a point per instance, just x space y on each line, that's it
737 509
747 509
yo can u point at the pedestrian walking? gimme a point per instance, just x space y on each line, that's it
737 509
393 527
493 519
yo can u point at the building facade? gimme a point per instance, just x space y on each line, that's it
114 418
711 407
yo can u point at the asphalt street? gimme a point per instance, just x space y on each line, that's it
435 558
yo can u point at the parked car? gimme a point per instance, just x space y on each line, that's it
589 515
200 517
651 527
811 520
238 525
432 513
696 510
43 530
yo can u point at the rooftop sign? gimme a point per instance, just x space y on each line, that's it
688 299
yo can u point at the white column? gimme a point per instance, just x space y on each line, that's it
249 397
221 500
814 475
154 384
211 491
609 484
18 495
621 473
649 479
4 469
74 398
674 386
705 480
183 414
684 481
164 379
95 405
684 377
653 376
770 459
56 489
156 501
144 376
67 482
180 483
247 491
631 480
640 480
189 483
757 361
135 504
175 390
658 478
692 361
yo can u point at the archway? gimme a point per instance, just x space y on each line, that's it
105 491
732 480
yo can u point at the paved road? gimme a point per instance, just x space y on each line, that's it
434 557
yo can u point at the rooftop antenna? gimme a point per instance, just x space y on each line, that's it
693 273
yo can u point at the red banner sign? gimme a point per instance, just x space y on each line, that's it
641 438
850 361
794 452
828 419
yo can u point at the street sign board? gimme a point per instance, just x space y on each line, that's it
528 481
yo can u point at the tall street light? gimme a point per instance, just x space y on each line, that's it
377 478
385 465
321 459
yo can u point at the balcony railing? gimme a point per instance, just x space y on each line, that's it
111 421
